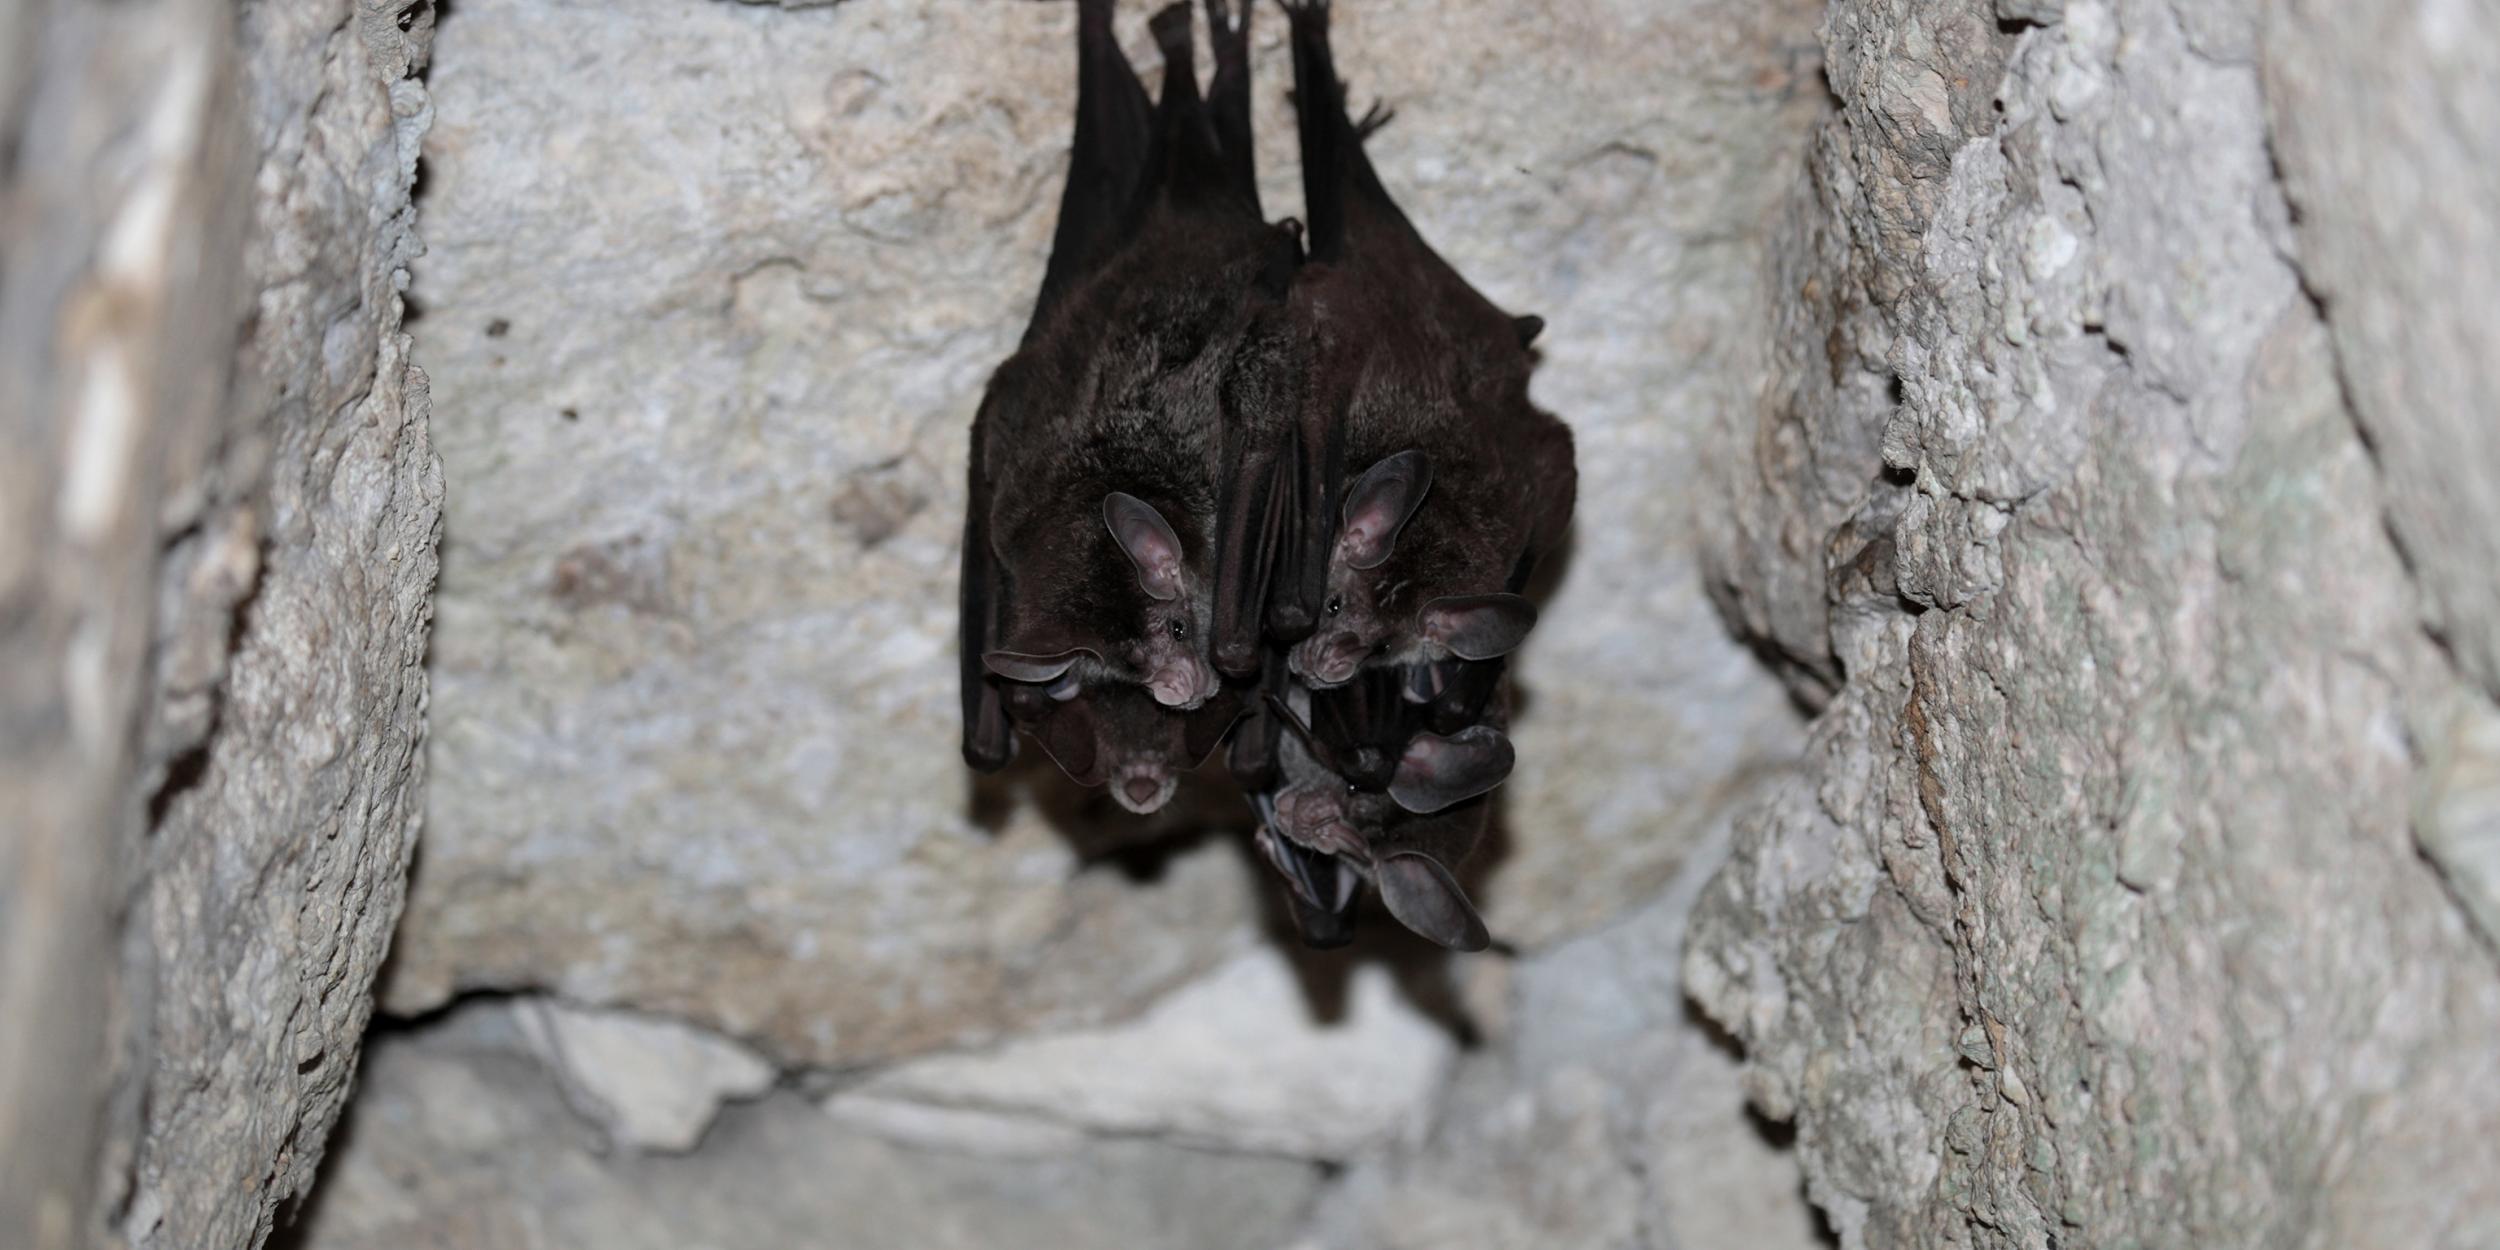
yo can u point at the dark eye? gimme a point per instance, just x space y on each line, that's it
1180 628
1336 604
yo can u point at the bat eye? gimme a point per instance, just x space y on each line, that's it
1180 628
1336 605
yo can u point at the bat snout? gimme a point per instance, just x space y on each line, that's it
1143 793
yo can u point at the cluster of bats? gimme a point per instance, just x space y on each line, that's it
1246 482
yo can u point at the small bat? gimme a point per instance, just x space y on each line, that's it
1117 735
1419 389
1095 451
1373 797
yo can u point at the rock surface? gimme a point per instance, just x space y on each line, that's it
461 1141
2098 917
215 570
709 301
1603 1114
1231 1062
651 1084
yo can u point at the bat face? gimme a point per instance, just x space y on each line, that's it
1376 609
1117 735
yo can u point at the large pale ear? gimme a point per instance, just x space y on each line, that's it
1023 666
1437 772
1479 627
1149 541
1424 897
1379 504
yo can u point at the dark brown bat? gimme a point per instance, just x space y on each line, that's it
1094 455
1117 735
1372 797
1440 477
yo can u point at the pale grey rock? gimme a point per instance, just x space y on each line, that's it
1601 1115
711 294
2386 119
2457 809
652 1084
226 453
2098 917
1235 1061
460 1142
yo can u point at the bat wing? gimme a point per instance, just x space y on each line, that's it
1107 164
1228 97
989 741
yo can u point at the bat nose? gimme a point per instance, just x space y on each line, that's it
1141 790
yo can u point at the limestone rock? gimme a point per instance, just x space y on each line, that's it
461 1142
1233 1062
652 1084
224 455
2386 120
1602 1114
2097 917
710 298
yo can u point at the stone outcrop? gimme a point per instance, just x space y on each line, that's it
2100 915
710 299
216 563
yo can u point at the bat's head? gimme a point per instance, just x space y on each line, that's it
1354 624
1372 610
1111 604
1117 735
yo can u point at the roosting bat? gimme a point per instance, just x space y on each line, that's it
1367 792
1116 734
1092 489
1218 456
1455 483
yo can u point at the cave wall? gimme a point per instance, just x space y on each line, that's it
2115 498
216 560
710 295
710 299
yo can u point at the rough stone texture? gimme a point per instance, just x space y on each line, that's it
214 575
2098 917
2386 119
1230 1062
1603 1115
710 297
461 1142
651 1084
119 218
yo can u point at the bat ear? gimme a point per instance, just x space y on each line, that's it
1479 627
1067 734
1149 541
1527 328
1033 667
1424 897
1378 505
1437 772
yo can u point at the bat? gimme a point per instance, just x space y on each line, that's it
1372 796
1442 480
1092 485
1118 735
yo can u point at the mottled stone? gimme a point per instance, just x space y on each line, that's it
651 1084
460 1142
2098 916
1232 1062
710 299
1602 1114
224 449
